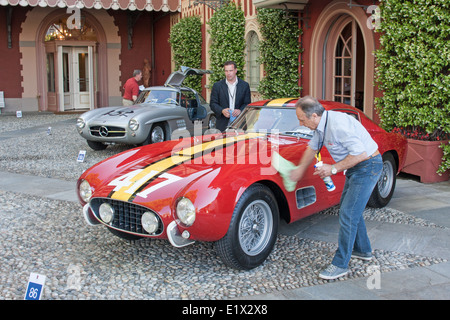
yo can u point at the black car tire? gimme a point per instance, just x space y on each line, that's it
97 146
253 229
157 134
384 189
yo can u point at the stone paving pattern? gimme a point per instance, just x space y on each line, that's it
42 230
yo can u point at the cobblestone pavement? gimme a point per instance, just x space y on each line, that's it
50 237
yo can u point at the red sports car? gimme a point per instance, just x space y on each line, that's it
222 187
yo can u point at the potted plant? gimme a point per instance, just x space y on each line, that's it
413 72
425 153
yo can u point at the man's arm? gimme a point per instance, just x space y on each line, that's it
214 100
135 92
246 98
307 158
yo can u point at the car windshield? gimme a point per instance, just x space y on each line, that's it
157 96
280 120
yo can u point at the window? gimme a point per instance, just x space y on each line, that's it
343 66
59 30
349 69
253 73
51 72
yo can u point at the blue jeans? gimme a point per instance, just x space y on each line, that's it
359 184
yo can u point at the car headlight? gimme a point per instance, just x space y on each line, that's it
85 191
186 211
133 124
80 123
149 222
106 212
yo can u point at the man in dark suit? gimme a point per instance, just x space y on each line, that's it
229 96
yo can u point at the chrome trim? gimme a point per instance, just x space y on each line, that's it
127 216
305 196
87 216
175 237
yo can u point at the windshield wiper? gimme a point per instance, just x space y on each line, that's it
298 134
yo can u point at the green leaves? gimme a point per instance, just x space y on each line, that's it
227 30
186 41
279 51
413 66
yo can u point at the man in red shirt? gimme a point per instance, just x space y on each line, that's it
131 88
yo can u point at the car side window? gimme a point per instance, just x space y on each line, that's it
188 99
142 97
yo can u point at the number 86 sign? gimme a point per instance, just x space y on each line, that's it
35 287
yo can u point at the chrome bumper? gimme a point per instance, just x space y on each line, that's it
175 237
88 216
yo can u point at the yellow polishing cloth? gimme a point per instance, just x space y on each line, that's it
284 167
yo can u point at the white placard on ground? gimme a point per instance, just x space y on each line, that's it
35 287
81 155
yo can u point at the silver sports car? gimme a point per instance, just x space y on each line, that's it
158 114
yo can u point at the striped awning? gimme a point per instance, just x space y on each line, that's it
149 5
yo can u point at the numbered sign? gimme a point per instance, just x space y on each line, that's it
81 156
35 287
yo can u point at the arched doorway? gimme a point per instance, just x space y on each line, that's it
70 53
71 63
342 61
70 50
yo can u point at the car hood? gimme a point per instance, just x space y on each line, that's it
120 112
163 170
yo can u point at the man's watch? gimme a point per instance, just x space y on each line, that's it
333 170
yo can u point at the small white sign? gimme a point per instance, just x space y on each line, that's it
19 114
81 156
35 287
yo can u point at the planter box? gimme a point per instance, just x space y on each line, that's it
423 160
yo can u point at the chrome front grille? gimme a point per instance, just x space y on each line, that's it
107 131
127 216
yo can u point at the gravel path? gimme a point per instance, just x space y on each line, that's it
50 237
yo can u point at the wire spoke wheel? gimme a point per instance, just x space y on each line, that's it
386 180
255 227
384 189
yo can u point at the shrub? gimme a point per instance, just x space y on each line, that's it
280 52
186 42
227 30
413 68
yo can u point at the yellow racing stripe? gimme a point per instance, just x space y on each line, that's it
212 145
279 102
127 190
146 174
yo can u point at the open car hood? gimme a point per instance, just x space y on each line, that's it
176 78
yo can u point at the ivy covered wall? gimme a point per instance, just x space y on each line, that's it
227 30
279 53
186 41
413 67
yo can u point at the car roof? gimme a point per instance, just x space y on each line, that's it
176 78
